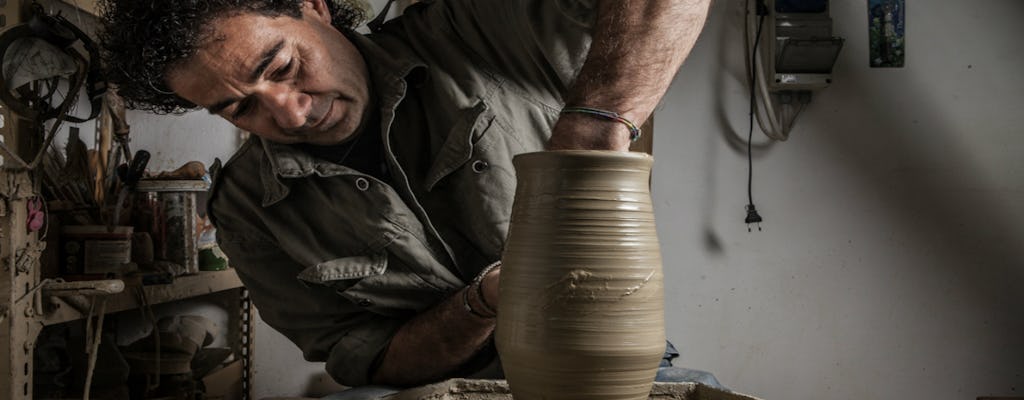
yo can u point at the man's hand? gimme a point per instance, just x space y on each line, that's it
436 343
637 49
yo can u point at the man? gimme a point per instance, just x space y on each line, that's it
378 187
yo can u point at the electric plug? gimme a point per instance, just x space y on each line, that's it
753 218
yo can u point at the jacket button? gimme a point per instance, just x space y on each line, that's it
365 303
480 166
362 184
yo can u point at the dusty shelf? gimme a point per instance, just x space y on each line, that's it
60 310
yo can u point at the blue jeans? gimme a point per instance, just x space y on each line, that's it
669 373
666 373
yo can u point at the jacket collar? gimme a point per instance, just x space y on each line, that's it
391 69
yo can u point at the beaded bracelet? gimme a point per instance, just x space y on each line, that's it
480 293
634 130
478 281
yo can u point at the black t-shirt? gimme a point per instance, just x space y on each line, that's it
363 153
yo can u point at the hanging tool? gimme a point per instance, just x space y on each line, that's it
38 56
55 38
111 124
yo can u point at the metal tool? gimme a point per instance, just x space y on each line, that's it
129 174
94 287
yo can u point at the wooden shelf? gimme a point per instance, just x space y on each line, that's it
88 6
62 310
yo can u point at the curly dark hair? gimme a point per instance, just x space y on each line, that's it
142 39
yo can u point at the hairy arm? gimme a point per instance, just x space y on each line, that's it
637 48
441 340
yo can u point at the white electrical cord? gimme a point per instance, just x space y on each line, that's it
757 75
774 123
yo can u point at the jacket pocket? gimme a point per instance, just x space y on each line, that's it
373 284
342 273
458 146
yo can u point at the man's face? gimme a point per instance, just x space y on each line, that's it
284 79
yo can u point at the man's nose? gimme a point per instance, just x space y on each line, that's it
288 106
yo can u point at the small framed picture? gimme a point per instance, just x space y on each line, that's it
886 33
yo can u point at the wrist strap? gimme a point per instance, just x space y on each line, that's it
479 283
489 311
483 273
634 130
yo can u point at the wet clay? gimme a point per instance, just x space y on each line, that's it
581 308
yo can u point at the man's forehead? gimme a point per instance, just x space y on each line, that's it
211 72
236 30
236 47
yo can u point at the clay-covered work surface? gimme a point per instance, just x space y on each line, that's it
476 389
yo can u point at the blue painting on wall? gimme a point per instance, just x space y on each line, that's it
886 33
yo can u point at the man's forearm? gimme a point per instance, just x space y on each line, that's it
437 342
637 48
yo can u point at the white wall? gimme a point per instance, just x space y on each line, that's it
175 139
891 263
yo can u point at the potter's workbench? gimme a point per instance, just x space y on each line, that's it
478 389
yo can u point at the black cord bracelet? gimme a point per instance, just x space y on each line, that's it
634 130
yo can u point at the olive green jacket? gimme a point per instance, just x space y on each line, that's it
337 260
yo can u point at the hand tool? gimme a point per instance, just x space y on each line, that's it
129 174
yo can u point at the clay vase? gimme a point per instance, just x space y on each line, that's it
581 304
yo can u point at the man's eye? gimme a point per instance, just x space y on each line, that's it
285 70
243 108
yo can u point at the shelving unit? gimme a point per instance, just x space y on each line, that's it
184 287
25 306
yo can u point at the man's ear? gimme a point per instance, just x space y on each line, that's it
317 9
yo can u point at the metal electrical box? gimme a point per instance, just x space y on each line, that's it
803 48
